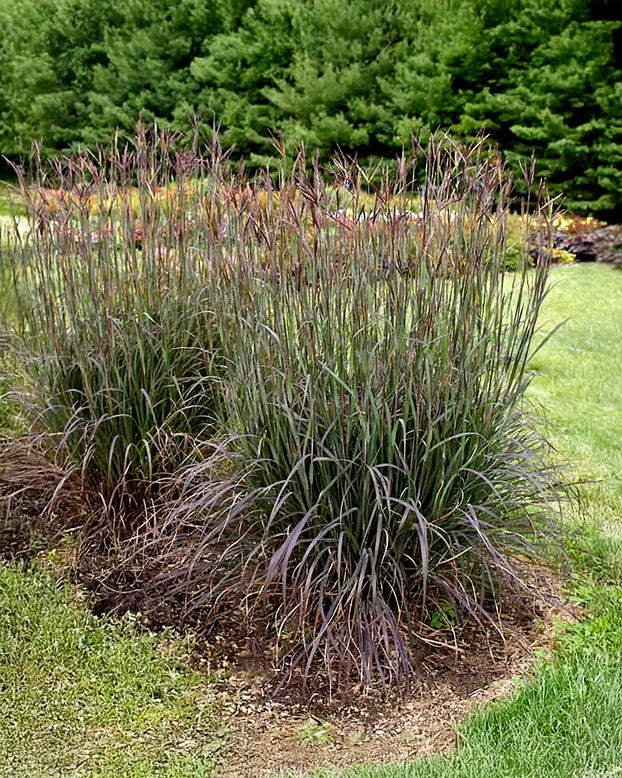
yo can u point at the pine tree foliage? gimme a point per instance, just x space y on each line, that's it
542 76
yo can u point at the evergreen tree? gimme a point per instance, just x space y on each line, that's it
238 67
543 76
560 101
48 51
147 70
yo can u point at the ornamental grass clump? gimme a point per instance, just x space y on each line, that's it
318 384
120 342
376 358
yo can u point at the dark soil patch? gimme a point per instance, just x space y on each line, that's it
297 734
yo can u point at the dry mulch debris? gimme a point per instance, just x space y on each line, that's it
292 735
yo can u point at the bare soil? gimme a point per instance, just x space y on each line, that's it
291 734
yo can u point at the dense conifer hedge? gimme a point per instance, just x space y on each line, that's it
541 75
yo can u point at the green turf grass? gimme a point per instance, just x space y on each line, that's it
579 382
87 696
12 210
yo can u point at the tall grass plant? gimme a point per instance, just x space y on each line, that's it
332 381
376 370
112 311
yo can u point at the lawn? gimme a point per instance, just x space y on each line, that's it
10 206
87 696
579 382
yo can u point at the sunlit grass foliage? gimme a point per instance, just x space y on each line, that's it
84 696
